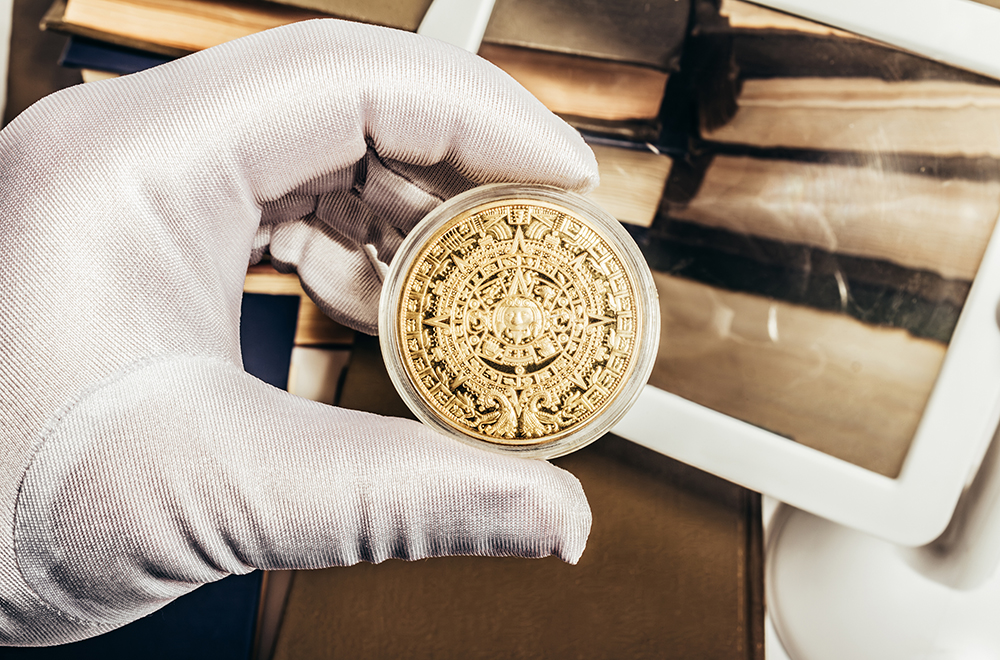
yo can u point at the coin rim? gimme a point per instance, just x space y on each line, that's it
609 230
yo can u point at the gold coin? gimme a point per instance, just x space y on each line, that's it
517 322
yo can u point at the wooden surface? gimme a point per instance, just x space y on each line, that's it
672 570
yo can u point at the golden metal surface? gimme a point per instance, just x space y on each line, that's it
517 322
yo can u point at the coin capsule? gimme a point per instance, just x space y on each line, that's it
518 323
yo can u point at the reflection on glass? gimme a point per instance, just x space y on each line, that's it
813 256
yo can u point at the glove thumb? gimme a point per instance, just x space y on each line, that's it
180 470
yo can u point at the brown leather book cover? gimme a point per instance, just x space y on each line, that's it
672 569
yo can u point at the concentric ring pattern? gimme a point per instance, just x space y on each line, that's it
517 322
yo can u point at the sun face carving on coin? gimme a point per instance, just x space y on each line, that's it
517 322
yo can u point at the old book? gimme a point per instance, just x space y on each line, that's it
823 379
622 48
54 21
774 80
577 86
613 74
672 569
633 177
321 346
184 25
923 215
876 292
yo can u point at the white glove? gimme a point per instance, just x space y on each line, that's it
137 459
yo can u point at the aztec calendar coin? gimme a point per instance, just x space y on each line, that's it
519 318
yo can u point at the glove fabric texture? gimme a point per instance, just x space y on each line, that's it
137 459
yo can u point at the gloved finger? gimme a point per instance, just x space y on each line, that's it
340 270
343 245
289 107
390 193
401 194
346 239
128 504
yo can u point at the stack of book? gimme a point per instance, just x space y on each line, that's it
817 244
601 66
321 347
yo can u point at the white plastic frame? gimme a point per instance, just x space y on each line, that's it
961 416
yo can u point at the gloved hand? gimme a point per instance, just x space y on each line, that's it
137 459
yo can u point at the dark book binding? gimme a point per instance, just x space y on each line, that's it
83 53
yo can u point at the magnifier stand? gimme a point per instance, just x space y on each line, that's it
837 593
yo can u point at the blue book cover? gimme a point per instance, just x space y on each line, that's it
82 53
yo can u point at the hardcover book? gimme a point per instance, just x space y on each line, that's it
604 62
773 80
